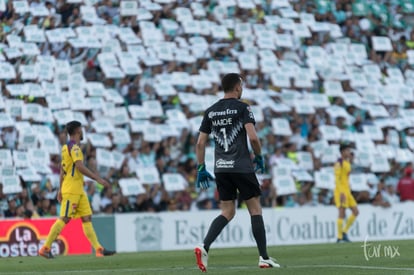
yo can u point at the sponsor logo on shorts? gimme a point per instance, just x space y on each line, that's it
221 163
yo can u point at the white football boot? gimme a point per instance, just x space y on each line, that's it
269 263
201 258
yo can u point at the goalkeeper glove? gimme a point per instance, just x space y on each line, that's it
203 177
258 160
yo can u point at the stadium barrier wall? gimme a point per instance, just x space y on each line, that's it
183 230
284 226
20 237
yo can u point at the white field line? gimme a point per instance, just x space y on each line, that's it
150 269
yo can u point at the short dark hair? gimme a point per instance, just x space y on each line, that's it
343 147
229 81
72 126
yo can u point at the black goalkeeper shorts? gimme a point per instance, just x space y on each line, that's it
229 183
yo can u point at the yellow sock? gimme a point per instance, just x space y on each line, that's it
90 234
54 232
349 223
340 223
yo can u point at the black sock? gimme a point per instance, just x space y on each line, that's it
215 228
259 235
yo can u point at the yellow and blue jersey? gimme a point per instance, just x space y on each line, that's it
73 178
342 170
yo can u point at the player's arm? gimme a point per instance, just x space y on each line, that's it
201 147
86 172
254 139
338 178
337 171
61 177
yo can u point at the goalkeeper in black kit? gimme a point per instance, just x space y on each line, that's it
230 121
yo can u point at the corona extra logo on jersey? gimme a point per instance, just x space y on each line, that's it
24 240
26 237
222 113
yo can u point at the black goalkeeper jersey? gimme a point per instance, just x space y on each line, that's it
225 121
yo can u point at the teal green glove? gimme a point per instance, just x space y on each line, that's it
203 177
258 160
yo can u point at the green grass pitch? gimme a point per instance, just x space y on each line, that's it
387 257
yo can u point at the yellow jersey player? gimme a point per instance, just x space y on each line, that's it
342 194
71 195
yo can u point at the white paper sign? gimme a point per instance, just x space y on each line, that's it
152 133
376 110
6 171
281 127
280 79
330 132
54 180
117 159
50 145
373 132
305 160
29 174
7 71
11 184
381 43
2 5
6 120
104 157
304 107
148 175
131 187
358 182
284 185
380 164
333 88
324 180
27 140
330 154
20 159
174 182
404 155
153 107
38 156
286 163
129 8
99 140
302 176
102 126
121 136
363 159
21 6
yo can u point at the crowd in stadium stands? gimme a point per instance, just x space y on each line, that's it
176 154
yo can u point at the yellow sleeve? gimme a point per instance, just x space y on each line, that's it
76 153
337 170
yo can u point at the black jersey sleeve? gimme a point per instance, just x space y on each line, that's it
247 115
205 126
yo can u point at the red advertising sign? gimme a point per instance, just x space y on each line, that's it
26 237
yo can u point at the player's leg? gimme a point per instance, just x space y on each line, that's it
352 217
85 212
66 212
249 189
228 209
227 194
340 224
340 203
